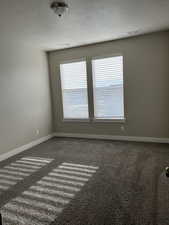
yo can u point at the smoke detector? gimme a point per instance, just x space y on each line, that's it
59 7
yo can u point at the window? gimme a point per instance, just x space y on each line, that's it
74 90
108 88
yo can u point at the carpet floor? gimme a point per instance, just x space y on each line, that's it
67 181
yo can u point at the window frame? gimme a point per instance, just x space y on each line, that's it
89 75
61 94
114 120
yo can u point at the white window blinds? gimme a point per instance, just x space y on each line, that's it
74 90
108 88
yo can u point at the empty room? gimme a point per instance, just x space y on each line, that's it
84 112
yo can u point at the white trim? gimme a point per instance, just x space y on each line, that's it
104 56
122 120
25 147
76 60
114 137
76 120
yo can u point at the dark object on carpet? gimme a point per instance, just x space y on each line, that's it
167 171
0 219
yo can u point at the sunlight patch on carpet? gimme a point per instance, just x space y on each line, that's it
16 171
46 199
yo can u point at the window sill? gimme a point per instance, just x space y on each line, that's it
121 120
95 120
76 120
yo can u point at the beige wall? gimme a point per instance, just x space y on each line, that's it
25 104
146 76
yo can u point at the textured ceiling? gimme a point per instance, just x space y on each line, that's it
87 21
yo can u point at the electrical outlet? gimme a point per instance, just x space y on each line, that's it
122 128
37 132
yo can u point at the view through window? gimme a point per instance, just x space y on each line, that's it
108 88
74 90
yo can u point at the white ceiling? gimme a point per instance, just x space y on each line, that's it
87 21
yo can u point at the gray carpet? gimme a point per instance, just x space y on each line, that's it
68 181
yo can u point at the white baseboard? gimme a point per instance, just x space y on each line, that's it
112 137
25 147
85 136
